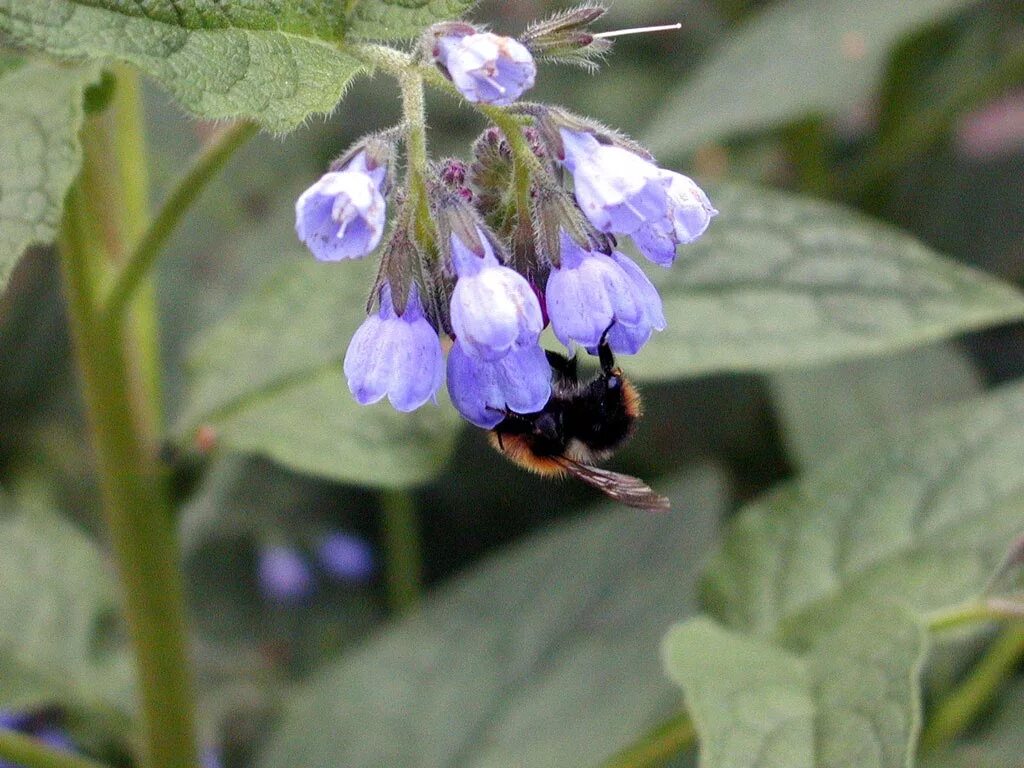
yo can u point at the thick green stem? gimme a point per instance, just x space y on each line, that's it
210 160
416 154
658 746
404 561
136 511
957 711
31 753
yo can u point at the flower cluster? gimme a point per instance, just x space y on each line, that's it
286 575
490 252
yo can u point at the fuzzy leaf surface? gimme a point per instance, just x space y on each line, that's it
848 698
276 63
781 281
799 58
60 613
544 656
41 112
923 519
397 19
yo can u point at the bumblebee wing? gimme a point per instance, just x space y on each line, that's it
631 491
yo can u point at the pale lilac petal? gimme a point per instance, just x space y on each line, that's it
483 390
341 216
487 68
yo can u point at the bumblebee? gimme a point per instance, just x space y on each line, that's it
582 423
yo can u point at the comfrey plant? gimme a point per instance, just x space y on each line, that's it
491 251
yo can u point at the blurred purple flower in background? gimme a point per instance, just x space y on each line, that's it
284 575
346 557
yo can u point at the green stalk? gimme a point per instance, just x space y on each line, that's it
404 561
658 746
136 511
958 710
206 166
31 753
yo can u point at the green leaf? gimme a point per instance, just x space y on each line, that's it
276 63
40 114
823 408
799 58
923 519
544 657
849 698
782 281
268 379
396 19
58 640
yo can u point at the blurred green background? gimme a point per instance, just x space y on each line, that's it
909 112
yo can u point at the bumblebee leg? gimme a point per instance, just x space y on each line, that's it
604 352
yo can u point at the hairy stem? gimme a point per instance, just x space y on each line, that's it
404 561
31 753
958 710
136 510
206 166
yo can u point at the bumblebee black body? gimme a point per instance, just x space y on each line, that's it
581 424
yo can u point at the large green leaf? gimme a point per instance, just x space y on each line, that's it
782 281
820 57
849 698
826 407
41 111
268 379
276 63
395 19
58 641
923 519
544 657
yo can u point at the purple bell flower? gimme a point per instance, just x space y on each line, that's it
493 309
284 575
628 339
486 68
686 217
482 391
616 189
346 557
342 215
586 294
397 356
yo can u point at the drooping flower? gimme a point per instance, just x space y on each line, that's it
395 355
486 68
586 293
616 189
493 308
342 215
346 557
284 575
482 391
628 339
686 217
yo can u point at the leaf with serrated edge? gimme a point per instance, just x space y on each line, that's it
544 656
58 605
274 63
849 698
820 57
781 281
398 19
923 519
41 112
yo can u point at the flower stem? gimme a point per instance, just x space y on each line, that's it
31 753
210 160
414 110
136 511
657 746
957 711
404 566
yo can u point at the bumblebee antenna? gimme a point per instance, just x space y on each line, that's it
604 352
